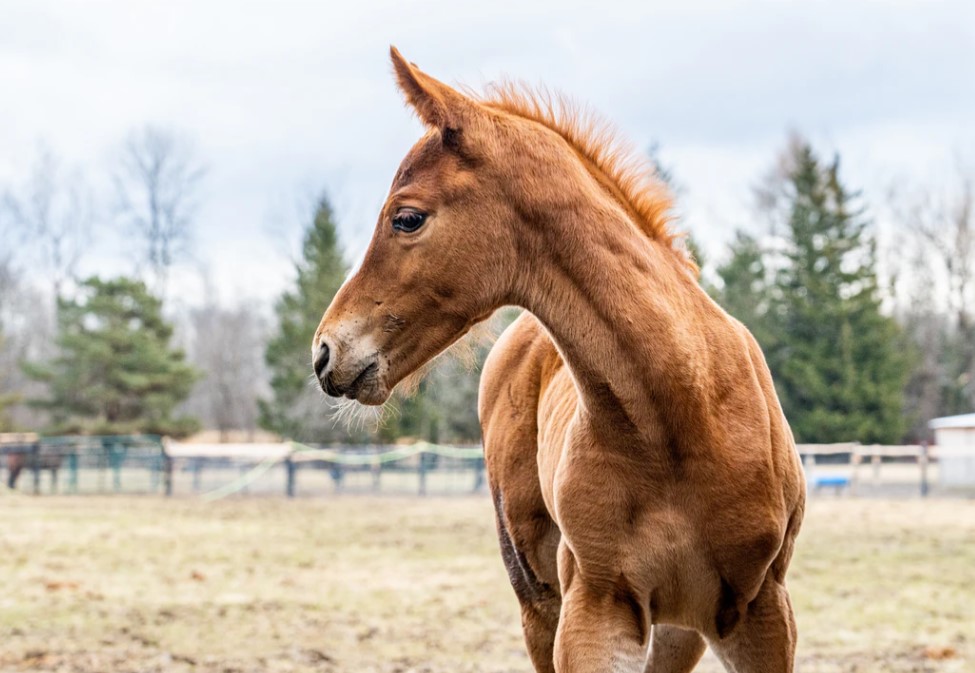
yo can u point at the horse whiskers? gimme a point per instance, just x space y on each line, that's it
349 413
355 417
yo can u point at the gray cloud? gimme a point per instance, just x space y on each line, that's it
283 97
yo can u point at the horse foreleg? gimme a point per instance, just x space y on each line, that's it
765 639
604 626
528 543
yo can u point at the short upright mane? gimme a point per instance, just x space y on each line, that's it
635 180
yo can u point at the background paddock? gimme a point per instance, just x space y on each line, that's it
415 584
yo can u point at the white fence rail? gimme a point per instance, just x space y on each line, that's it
868 469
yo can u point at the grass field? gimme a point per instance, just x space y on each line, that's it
395 585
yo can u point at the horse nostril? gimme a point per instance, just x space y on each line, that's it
320 361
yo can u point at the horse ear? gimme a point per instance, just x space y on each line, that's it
435 103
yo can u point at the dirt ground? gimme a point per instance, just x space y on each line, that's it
395 585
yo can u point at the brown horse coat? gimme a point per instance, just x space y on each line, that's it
645 480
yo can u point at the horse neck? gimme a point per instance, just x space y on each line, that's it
624 313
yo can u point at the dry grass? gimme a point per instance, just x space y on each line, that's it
357 584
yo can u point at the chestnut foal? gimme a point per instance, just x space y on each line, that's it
647 488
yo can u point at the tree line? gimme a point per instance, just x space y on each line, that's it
865 342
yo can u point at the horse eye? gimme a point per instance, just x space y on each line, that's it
408 220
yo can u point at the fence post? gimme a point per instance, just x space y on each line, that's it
116 458
242 470
923 459
290 467
100 464
35 453
478 474
855 460
335 470
73 471
167 473
809 465
155 470
423 473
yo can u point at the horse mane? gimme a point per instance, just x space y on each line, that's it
629 175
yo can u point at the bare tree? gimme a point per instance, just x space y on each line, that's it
7 275
8 396
943 227
946 225
156 182
227 345
45 226
925 325
26 332
53 212
772 194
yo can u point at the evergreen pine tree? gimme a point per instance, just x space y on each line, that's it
296 409
115 371
839 363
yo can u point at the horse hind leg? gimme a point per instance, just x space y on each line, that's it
674 650
764 641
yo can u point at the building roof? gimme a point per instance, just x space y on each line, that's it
962 421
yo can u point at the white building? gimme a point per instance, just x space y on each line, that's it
955 437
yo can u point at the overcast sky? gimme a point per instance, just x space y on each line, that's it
288 98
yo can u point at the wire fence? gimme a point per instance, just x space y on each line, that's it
303 470
147 464
83 463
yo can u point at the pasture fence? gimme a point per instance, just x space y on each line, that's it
893 470
85 463
150 464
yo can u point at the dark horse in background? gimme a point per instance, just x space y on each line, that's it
23 452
